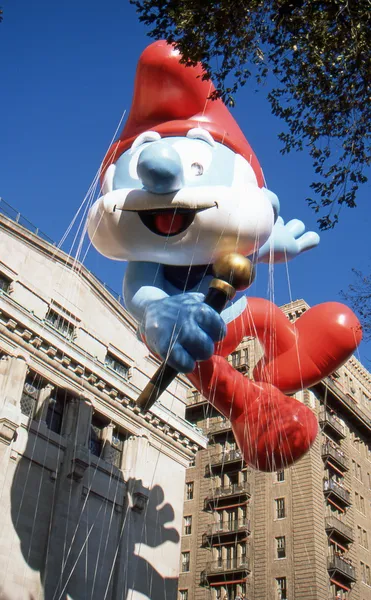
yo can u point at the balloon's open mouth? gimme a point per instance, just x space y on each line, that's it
167 222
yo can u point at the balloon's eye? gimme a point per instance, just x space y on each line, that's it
197 169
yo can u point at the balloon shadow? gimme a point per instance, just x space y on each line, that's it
82 544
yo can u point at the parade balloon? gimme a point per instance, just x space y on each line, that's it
182 188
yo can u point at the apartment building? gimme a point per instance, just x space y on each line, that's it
303 533
91 490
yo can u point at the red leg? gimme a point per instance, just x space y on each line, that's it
271 429
296 355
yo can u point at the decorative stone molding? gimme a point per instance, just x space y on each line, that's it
36 342
87 375
79 370
7 430
79 463
140 501
11 324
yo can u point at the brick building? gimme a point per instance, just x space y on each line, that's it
303 533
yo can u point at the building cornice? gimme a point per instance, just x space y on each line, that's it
115 396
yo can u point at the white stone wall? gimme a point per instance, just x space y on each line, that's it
73 525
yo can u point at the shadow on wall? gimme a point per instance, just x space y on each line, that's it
81 529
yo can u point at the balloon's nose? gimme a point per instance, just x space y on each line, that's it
160 168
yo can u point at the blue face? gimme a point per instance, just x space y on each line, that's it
169 164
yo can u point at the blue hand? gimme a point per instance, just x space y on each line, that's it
287 241
182 329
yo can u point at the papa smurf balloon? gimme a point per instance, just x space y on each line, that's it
180 188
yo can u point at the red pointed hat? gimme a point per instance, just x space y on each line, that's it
171 99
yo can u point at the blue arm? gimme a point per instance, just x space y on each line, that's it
143 283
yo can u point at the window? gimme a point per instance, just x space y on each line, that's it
189 490
364 539
243 554
246 355
236 359
359 534
219 557
113 454
116 365
96 435
281 546
195 397
60 323
363 572
54 415
4 283
280 508
183 594
186 557
281 588
188 525
280 476
30 394
362 505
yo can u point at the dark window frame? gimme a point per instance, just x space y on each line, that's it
117 365
61 323
280 508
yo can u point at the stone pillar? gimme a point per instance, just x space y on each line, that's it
84 422
45 394
77 420
107 441
77 430
13 371
71 417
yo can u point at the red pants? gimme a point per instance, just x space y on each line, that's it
272 429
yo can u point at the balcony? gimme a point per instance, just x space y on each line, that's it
340 493
196 398
231 565
331 424
226 530
332 454
340 565
219 426
342 530
221 460
217 495
342 401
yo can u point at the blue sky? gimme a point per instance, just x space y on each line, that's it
67 73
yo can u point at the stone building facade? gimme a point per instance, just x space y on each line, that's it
303 533
91 490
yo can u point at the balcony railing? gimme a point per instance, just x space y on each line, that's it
225 566
228 527
220 458
335 454
326 419
332 523
236 489
331 486
219 426
196 398
340 564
